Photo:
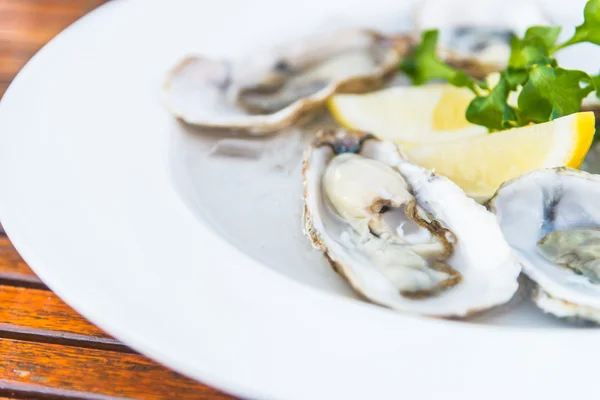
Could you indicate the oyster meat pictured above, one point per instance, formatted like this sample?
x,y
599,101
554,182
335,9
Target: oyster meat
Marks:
x,y
552,220
286,86
400,235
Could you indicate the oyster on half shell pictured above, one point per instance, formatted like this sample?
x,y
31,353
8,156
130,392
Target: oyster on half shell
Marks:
x,y
478,30
285,86
400,235
552,220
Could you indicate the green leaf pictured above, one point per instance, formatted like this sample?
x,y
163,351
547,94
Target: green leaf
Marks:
x,y
553,92
516,77
546,91
425,64
493,110
533,49
596,80
462,79
527,52
547,35
589,31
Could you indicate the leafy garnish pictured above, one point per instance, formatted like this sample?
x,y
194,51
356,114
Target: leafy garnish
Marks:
x,y
547,34
589,31
532,49
425,65
492,110
546,91
551,93
596,80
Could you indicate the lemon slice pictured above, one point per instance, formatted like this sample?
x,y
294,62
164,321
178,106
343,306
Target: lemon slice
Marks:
x,y
408,114
481,164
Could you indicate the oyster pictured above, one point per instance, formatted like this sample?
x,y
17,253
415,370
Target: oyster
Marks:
x,y
400,235
284,87
479,41
552,220
476,36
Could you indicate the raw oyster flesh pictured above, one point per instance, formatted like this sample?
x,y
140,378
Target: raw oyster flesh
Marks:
x,y
552,220
400,235
287,86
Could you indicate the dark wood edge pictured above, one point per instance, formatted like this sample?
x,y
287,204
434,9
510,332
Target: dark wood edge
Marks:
x,y
24,281
29,391
19,280
9,331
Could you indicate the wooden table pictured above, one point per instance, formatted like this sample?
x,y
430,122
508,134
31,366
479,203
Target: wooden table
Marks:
x,y
48,351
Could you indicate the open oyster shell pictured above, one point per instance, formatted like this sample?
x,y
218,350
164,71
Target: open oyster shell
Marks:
x,y
283,87
552,220
400,235
475,36
478,30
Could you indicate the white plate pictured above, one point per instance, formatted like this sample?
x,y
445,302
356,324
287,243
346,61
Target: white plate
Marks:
x,y
199,261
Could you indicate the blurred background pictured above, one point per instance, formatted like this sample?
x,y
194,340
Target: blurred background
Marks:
x,y
26,25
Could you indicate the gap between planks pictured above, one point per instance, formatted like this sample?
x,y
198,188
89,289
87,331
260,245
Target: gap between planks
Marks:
x,y
25,334
13,269
40,316
21,391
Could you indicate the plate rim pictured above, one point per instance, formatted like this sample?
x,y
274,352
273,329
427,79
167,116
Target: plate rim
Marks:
x,y
133,339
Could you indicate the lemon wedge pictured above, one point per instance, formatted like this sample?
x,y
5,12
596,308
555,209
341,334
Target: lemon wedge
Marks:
x,y
482,163
408,115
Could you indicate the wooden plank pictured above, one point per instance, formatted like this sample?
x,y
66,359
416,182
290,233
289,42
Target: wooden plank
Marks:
x,y
52,7
10,65
41,309
35,370
48,351
39,315
10,260
21,35
22,28
26,25
13,270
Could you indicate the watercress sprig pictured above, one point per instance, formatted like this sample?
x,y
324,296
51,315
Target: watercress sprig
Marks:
x,y
545,90
589,31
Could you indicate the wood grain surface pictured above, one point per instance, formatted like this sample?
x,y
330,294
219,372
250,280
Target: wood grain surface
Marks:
x,y
47,350
52,367
13,270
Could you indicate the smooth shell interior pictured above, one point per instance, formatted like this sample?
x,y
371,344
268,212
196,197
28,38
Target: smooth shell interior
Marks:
x,y
482,256
535,204
268,92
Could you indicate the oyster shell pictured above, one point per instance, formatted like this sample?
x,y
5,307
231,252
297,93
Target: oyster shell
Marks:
x,y
479,30
400,235
284,87
476,36
551,219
